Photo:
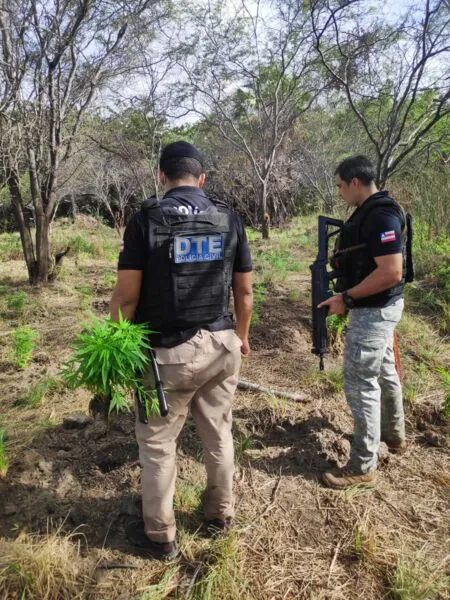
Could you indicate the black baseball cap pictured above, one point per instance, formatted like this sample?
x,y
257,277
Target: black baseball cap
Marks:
x,y
180,149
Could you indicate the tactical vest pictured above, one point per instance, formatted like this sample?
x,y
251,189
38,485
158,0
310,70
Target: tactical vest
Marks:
x,y
187,278
352,258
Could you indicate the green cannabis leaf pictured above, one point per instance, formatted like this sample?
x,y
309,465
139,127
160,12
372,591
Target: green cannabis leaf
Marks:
x,y
107,358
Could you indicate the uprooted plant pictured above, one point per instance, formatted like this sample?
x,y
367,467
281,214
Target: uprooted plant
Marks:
x,y
108,357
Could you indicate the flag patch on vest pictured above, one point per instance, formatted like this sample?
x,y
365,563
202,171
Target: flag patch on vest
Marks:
x,y
198,248
387,236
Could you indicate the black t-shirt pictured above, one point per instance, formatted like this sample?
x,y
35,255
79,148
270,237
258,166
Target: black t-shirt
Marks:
x,y
187,200
382,231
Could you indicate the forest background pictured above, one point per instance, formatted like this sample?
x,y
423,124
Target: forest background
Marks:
x,y
274,93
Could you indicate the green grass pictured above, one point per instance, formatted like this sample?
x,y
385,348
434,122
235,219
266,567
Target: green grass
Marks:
x,y
109,279
415,579
334,380
163,588
24,341
445,377
259,297
430,293
16,302
79,244
37,393
10,247
335,326
85,294
419,336
278,407
222,577
188,497
242,443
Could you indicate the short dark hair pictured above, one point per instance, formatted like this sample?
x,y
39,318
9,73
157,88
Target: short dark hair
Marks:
x,y
177,168
181,158
358,166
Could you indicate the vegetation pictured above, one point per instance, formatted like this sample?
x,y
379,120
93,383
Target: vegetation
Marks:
x,y
221,577
188,498
43,567
24,341
16,302
107,357
265,100
259,294
38,393
335,327
445,376
414,579
276,441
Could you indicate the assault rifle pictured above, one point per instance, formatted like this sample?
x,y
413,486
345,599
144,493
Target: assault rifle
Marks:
x,y
320,280
159,387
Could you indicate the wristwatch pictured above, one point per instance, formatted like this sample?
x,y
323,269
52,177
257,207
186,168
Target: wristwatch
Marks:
x,y
348,300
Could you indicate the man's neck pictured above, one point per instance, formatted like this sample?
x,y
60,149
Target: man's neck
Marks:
x,y
170,185
367,192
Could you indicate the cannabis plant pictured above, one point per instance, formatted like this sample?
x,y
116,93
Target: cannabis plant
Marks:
x,y
107,359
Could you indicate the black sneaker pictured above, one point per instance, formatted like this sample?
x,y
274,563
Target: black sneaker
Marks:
x,y
160,550
215,527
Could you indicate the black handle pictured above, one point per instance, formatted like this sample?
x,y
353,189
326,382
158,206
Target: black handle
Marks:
x,y
159,386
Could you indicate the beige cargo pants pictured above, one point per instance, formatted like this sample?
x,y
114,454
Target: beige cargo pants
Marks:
x,y
199,375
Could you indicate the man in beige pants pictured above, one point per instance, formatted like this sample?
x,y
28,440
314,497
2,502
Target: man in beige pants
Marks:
x,y
179,260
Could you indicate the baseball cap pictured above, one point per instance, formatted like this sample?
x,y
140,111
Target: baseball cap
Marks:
x,y
180,149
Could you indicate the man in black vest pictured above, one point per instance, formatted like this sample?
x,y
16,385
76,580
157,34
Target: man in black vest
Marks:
x,y
180,259
371,289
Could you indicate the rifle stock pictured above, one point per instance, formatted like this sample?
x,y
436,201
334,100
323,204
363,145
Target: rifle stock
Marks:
x,y
320,283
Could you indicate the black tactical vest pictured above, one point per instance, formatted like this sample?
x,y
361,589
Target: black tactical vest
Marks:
x,y
352,258
187,279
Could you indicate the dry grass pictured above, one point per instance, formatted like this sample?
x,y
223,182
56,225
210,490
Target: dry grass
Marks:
x,y
293,539
44,568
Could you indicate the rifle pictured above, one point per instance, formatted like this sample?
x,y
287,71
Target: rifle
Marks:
x,y
321,278
159,387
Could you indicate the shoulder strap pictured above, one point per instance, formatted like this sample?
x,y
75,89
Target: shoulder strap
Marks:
x,y
152,210
376,202
219,203
410,274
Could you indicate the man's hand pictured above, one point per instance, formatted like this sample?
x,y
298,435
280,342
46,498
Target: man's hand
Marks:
x,y
126,294
243,303
245,348
336,305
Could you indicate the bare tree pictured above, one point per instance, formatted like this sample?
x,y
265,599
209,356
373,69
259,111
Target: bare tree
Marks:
x,y
394,75
250,75
55,57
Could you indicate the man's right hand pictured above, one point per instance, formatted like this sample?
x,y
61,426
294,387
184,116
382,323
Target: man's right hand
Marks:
x,y
243,303
245,348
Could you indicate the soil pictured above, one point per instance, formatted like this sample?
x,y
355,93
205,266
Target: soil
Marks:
x,y
296,537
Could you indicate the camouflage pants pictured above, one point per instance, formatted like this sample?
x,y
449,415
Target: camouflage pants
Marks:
x,y
371,383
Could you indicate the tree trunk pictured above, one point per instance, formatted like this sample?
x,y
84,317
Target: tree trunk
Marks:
x,y
265,219
74,207
42,246
25,235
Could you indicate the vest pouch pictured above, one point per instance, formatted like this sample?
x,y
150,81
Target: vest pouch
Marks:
x,y
342,284
199,276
